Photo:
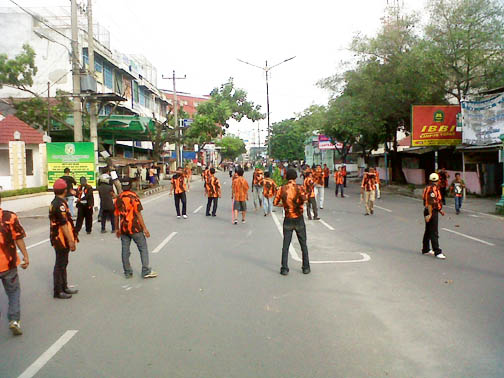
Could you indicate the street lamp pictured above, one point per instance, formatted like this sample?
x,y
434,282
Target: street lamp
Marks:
x,y
500,205
266,70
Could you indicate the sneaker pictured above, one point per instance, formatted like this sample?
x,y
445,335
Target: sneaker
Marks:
x,y
235,222
317,218
244,221
184,216
103,231
178,216
431,253
372,211
284,272
306,270
128,275
152,274
15,327
441,256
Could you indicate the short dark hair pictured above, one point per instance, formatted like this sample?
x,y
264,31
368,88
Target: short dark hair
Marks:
x,y
212,170
67,170
266,174
239,171
457,174
59,192
291,174
366,170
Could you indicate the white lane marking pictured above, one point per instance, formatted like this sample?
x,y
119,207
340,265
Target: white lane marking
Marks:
x,y
384,209
37,244
48,354
155,198
474,216
295,257
198,209
164,242
327,225
469,237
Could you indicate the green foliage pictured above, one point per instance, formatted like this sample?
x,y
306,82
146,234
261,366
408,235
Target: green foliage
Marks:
x,y
20,192
278,178
232,147
287,140
19,71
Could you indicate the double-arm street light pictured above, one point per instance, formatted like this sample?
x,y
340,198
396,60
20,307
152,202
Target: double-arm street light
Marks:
x,y
266,70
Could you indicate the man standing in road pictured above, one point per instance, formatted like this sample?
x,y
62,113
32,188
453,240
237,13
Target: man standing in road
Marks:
x,y
213,191
178,186
457,186
318,177
129,225
70,181
292,197
107,201
327,174
269,192
85,204
339,180
240,195
432,208
443,183
12,237
368,190
63,239
309,188
257,188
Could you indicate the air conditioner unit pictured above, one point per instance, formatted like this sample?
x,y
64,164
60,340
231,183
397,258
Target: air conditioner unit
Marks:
x,y
88,84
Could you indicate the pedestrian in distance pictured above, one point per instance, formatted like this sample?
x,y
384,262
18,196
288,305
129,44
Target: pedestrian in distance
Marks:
x,y
107,208
368,190
130,226
257,188
344,171
239,195
327,174
292,197
269,192
443,183
188,175
377,183
179,189
457,187
318,177
70,181
63,238
339,180
309,188
85,204
433,206
213,192
12,237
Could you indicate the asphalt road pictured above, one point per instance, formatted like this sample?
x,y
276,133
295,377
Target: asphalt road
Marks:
x,y
373,306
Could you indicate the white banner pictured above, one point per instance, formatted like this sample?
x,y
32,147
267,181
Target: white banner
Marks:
x,y
483,121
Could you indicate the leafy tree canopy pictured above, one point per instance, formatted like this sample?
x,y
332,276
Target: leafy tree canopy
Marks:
x,y
232,147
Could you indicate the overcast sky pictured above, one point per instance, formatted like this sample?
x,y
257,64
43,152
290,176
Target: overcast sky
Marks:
x,y
203,39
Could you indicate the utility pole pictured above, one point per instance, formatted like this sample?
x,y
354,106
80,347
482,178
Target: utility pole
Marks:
x,y
175,117
77,106
48,109
93,117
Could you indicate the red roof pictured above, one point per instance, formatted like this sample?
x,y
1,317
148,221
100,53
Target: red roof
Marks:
x,y
11,124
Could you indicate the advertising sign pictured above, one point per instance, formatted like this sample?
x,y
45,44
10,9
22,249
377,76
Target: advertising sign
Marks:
x,y
325,143
483,121
79,157
435,125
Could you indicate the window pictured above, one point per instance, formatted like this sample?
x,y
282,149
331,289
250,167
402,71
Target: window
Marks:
x,y
98,63
4,163
135,92
108,76
118,83
29,162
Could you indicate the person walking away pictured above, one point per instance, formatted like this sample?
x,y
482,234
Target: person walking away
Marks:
x,y
339,179
107,196
318,177
433,206
213,191
130,225
230,170
12,237
443,183
85,204
377,183
457,187
344,171
70,181
188,175
368,189
327,174
179,189
152,175
63,238
292,198
257,188
240,195
269,192
309,188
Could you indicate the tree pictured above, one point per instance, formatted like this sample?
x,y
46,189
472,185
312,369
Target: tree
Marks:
x,y
231,147
287,140
465,44
18,72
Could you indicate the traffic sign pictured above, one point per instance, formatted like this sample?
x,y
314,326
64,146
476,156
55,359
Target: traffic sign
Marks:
x,y
187,122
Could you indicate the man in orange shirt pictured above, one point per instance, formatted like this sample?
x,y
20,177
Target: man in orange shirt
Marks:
x,y
12,237
213,191
368,190
178,186
188,174
433,205
292,198
318,177
269,192
240,195
257,187
327,173
339,180
309,187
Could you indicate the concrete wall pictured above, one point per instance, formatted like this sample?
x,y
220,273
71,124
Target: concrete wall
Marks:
x,y
414,176
17,167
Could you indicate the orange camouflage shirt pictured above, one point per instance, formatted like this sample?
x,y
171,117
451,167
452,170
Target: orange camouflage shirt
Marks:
x,y
369,182
10,231
318,176
309,186
269,188
179,184
292,197
327,172
432,191
240,189
212,187
258,178
59,216
339,178
127,207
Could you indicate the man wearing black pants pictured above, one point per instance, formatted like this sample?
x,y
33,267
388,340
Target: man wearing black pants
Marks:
x,y
106,203
213,191
85,204
433,207
179,188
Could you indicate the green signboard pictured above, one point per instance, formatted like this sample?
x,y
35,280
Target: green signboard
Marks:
x,y
79,157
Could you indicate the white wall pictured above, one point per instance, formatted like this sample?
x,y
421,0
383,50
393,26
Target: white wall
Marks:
x,y
37,179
